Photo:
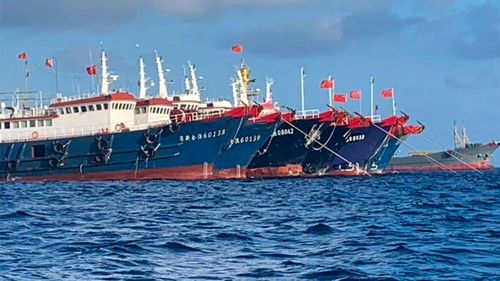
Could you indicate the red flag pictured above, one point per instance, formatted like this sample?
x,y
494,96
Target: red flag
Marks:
x,y
22,56
327,84
237,48
355,94
340,98
387,93
49,62
92,70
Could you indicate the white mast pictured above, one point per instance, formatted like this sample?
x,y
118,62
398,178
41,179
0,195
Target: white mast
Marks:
x,y
393,102
269,90
372,84
465,138
142,79
234,88
331,91
187,84
162,84
456,137
104,75
302,97
194,80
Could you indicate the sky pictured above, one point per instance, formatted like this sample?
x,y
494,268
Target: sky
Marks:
x,y
442,57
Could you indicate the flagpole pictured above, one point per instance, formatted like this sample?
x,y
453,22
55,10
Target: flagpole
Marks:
x,y
360,111
330,91
393,102
302,89
372,81
90,60
56,62
26,75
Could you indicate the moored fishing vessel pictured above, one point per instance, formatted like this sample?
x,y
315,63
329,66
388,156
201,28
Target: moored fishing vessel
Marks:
x,y
115,136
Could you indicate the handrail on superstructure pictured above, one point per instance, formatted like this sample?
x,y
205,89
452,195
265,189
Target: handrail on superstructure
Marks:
x,y
306,114
374,118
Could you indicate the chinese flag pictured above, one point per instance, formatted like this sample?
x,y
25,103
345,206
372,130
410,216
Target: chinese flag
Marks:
x,y
355,94
92,70
340,98
387,94
22,56
237,48
49,62
327,84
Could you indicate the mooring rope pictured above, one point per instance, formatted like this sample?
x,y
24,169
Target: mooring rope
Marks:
x,y
327,148
414,149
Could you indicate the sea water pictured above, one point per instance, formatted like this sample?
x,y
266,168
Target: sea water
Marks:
x,y
433,226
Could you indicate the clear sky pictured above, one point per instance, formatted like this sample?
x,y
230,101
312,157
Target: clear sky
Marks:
x,y
442,57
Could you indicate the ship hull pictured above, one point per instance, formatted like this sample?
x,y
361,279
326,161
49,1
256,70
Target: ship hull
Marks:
x,y
382,158
232,161
320,155
362,145
156,153
469,158
286,149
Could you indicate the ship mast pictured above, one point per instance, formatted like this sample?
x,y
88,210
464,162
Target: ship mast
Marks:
x,y
269,90
143,80
456,136
465,138
162,84
106,78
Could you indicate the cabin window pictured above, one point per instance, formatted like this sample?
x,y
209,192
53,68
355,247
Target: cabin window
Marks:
x,y
84,108
24,124
98,106
143,109
183,106
6,125
68,110
38,151
61,111
105,106
137,111
32,123
48,123
91,107
15,125
75,109
40,123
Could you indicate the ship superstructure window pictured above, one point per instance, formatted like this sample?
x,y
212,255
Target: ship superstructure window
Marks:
x,y
68,110
32,123
98,106
91,107
105,106
24,124
75,109
38,151
137,111
143,109
61,111
15,125
40,123
6,125
48,123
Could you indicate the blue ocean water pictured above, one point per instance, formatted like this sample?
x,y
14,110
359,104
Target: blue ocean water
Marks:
x,y
432,226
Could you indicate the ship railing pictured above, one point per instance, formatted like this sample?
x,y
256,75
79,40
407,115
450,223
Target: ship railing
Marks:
x,y
76,97
307,114
96,129
374,118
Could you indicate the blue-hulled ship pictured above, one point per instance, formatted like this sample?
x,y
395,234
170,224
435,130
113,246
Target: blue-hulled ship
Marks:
x,y
116,136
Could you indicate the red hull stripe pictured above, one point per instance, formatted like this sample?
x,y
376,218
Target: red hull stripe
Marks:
x,y
458,167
